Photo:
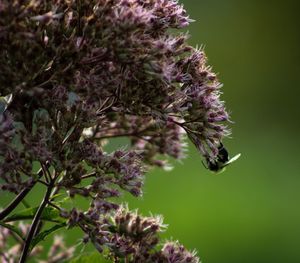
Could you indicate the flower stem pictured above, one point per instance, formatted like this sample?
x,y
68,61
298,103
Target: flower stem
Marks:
x,y
18,199
35,222
14,203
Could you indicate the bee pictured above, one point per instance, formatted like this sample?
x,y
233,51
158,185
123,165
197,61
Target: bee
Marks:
x,y
218,165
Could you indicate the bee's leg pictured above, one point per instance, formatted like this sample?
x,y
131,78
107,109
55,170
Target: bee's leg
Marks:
x,y
204,164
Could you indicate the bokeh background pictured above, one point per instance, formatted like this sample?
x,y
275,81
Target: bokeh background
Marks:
x,y
251,212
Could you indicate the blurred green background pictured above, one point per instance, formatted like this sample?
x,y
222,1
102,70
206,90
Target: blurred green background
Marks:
x,y
251,212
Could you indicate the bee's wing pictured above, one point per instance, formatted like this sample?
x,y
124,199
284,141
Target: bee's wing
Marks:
x,y
223,166
233,159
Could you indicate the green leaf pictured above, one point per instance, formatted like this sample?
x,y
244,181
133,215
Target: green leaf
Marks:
x,y
57,195
62,201
13,229
41,236
25,203
49,214
89,258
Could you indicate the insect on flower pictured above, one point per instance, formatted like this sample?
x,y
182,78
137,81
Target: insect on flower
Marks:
x,y
219,164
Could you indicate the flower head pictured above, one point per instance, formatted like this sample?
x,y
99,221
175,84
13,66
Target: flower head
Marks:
x,y
80,73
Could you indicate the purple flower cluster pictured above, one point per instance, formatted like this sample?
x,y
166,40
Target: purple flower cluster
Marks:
x,y
132,237
58,252
75,74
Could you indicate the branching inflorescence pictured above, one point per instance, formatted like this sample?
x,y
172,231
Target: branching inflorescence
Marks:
x,y
76,73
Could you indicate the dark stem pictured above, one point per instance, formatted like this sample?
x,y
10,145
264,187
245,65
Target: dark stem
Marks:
x,y
20,197
14,203
39,228
54,192
35,223
55,206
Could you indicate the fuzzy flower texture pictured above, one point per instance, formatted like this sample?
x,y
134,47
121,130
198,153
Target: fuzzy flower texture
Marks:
x,y
74,74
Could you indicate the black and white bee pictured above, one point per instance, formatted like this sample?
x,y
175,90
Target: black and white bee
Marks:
x,y
218,165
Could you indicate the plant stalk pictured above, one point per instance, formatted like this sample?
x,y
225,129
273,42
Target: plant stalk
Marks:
x,y
14,203
20,197
35,223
